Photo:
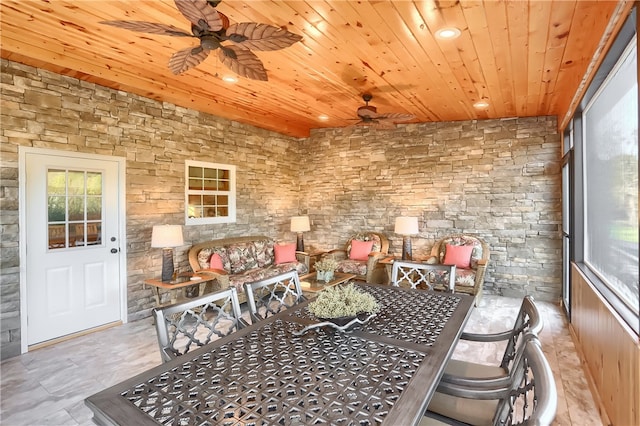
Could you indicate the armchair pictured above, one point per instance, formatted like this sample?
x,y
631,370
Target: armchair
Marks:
x,y
470,255
357,258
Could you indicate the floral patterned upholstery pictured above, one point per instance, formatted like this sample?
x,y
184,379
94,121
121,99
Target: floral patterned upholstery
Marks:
x,y
470,280
245,259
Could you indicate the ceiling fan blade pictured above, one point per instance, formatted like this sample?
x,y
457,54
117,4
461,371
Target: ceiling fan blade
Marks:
x,y
199,10
245,63
255,36
186,59
395,116
148,27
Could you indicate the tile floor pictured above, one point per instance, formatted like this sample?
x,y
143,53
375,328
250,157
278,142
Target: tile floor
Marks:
x,y
48,386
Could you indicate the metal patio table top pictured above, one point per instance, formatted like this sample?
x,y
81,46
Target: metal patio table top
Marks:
x,y
382,372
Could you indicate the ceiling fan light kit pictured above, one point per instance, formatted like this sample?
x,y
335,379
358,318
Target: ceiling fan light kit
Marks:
x,y
234,42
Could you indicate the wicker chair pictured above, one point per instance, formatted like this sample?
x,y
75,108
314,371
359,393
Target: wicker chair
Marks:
x,y
469,276
369,270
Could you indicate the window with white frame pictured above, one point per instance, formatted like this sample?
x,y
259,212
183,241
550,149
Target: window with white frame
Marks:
x,y
210,193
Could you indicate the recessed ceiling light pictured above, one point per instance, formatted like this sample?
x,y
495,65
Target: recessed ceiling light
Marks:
x,y
229,79
323,117
448,33
481,104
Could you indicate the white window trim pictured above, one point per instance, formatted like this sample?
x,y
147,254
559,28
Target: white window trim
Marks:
x,y
231,194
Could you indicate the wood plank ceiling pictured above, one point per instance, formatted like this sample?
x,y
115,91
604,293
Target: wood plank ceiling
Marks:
x,y
525,58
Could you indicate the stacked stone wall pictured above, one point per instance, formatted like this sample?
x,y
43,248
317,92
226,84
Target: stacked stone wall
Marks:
x,y
47,110
499,179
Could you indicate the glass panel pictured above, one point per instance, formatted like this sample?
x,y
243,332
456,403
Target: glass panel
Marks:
x,y
56,209
57,236
94,233
224,185
76,208
223,200
94,183
76,234
209,200
195,184
210,173
94,208
210,185
195,172
223,211
611,181
76,183
56,182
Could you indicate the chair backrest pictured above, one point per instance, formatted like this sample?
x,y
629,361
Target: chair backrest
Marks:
x,y
528,320
480,248
380,242
422,275
196,322
271,295
532,398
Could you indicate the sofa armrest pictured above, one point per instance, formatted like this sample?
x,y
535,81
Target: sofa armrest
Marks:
x,y
220,275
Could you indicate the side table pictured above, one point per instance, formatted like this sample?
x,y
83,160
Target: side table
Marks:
x,y
181,282
311,286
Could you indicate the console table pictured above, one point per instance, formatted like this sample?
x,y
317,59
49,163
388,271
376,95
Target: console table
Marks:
x,y
382,372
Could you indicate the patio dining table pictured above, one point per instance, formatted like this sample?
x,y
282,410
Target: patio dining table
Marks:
x,y
278,371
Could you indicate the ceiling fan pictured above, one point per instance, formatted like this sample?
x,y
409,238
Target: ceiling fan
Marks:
x,y
214,31
369,116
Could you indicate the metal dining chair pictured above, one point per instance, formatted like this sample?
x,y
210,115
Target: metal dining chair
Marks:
x,y
529,397
271,295
467,373
423,275
197,322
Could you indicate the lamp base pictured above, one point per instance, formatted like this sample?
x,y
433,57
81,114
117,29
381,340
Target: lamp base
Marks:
x,y
406,247
299,242
167,264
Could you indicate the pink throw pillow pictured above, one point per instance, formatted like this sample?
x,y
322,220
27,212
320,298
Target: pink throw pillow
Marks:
x,y
360,249
215,262
458,255
285,253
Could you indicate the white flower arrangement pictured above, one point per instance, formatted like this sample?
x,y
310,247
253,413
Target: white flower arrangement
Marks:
x,y
343,301
326,264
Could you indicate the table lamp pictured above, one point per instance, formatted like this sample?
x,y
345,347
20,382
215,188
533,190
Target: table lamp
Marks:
x,y
167,237
300,224
406,226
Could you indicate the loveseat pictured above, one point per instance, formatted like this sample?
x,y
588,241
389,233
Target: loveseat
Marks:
x,y
235,261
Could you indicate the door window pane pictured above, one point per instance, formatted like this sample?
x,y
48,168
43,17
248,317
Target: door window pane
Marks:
x,y
74,208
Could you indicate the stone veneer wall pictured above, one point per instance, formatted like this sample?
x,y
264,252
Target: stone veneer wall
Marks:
x,y
499,179
47,110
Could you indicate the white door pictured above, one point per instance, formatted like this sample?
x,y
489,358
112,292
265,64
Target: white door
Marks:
x,y
72,247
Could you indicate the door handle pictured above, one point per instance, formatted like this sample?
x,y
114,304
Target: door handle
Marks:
x,y
114,250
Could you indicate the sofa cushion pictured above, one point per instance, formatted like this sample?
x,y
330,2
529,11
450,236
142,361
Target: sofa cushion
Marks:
x,y
377,244
204,257
215,262
360,249
458,255
463,240
285,253
255,274
349,266
264,252
242,257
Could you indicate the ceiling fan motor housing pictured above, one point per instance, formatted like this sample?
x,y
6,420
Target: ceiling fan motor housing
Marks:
x,y
367,111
